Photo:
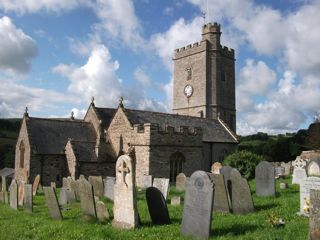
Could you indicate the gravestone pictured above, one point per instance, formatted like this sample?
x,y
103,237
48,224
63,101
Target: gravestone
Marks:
x,y
299,171
241,198
87,201
109,187
74,186
314,220
125,201
4,184
287,168
52,203
14,194
35,185
220,203
21,193
175,200
146,181
66,182
66,196
97,184
279,171
54,185
102,211
216,167
28,198
313,168
163,185
181,180
197,210
265,179
305,186
226,172
157,206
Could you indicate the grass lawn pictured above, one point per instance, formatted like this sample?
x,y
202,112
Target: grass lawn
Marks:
x,y
38,225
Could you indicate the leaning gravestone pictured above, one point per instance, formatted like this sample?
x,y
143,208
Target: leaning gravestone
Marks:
x,y
265,179
313,167
226,172
163,185
241,198
109,187
52,203
35,185
102,211
125,201
197,210
157,206
97,184
28,197
216,167
305,186
181,180
299,171
314,221
87,201
220,199
14,194
21,193
146,181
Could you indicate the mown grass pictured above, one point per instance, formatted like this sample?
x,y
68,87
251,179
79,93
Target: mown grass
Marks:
x,y
38,225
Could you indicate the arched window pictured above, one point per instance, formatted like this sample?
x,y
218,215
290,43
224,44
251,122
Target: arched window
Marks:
x,y
176,161
22,151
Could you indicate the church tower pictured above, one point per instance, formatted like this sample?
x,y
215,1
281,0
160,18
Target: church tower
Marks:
x,y
204,78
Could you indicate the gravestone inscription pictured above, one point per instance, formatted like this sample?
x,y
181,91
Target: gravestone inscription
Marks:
x,y
305,186
314,220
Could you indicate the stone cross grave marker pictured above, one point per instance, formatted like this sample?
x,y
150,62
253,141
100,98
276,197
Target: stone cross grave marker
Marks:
x,y
314,220
241,198
216,167
220,199
87,201
299,171
102,211
265,179
35,185
197,210
157,206
305,186
175,200
109,187
313,168
28,198
97,184
146,181
125,201
181,180
52,203
163,185
14,194
21,193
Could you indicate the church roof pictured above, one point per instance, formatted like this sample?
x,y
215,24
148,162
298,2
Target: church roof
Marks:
x,y
49,136
84,151
7,172
105,115
213,130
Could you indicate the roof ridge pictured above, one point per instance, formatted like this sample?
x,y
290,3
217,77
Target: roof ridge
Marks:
x,y
59,120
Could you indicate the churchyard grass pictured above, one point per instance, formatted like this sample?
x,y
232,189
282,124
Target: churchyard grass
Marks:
x,y
38,225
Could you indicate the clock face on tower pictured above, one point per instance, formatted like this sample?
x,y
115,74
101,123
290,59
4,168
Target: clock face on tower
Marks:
x,y
188,90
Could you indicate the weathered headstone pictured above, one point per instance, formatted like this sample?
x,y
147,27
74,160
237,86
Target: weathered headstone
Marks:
x,y
21,193
35,185
82,177
197,210
125,202
313,168
87,201
314,221
279,171
66,196
97,184
287,168
52,203
299,171
265,179
74,186
109,187
221,202
163,185
241,198
102,211
28,198
4,184
181,181
226,172
157,206
66,182
146,181
54,185
175,200
216,167
14,194
305,186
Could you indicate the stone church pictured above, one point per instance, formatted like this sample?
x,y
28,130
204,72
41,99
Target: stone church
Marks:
x,y
200,131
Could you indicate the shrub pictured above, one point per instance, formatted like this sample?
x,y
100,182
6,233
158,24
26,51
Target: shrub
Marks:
x,y
244,161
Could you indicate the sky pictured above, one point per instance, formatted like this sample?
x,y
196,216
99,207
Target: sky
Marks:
x,y
55,55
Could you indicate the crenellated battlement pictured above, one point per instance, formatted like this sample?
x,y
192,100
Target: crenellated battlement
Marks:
x,y
228,52
170,130
211,27
190,48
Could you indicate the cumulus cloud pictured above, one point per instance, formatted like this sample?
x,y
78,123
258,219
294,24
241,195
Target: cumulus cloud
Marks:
x,y
17,48
140,75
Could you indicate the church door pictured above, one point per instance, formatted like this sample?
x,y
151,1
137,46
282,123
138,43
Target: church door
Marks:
x,y
176,161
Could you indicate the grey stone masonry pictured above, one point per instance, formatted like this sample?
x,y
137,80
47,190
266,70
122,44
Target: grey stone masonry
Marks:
x,y
265,179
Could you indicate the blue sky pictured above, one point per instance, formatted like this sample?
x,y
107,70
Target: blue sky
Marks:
x,y
56,54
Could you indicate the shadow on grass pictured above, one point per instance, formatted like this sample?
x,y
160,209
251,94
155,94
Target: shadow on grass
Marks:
x,y
264,206
235,229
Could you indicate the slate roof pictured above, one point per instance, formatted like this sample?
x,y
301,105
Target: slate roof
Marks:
x,y
84,151
105,115
213,130
49,136
7,172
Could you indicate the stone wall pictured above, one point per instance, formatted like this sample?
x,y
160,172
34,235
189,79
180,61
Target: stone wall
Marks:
x,y
96,169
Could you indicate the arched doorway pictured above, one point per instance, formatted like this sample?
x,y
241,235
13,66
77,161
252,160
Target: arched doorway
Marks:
x,y
176,161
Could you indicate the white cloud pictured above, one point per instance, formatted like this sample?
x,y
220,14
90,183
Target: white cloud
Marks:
x,y
140,75
17,48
